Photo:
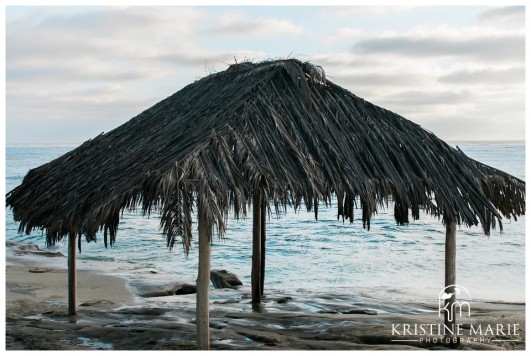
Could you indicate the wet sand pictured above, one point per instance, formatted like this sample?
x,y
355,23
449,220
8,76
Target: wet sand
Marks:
x,y
112,317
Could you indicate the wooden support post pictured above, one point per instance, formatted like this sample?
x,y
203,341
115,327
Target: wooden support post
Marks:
x,y
257,247
72,307
262,244
450,279
203,283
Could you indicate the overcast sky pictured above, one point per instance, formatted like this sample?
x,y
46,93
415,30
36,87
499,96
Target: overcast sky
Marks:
x,y
74,72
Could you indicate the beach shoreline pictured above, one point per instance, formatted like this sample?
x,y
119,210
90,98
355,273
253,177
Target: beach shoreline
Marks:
x,y
112,317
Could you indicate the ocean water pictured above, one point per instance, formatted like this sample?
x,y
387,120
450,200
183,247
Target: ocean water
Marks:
x,y
308,257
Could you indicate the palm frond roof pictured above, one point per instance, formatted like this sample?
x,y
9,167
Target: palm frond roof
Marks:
x,y
279,127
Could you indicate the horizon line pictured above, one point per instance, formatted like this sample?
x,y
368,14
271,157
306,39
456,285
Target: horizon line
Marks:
x,y
73,144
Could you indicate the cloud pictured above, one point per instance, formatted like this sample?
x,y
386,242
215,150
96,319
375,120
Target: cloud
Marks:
x,y
71,112
361,10
345,33
113,44
103,61
462,126
513,15
491,76
379,79
98,65
441,77
459,112
477,43
73,68
144,22
237,23
103,44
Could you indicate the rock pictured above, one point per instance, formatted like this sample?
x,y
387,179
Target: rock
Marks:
x,y
92,302
267,337
154,288
283,300
29,247
228,301
150,289
328,311
224,279
186,289
217,325
40,270
28,290
23,249
48,253
155,293
143,311
360,311
349,311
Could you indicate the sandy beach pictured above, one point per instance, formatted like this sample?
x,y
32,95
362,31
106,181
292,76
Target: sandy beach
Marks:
x,y
112,316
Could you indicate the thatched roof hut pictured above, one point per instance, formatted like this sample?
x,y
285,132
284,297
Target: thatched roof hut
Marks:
x,y
278,130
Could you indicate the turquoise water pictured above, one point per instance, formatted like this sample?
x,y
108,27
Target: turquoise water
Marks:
x,y
327,255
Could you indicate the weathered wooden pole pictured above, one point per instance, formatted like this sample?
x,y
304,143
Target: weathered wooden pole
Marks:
x,y
449,280
257,248
72,308
203,283
263,244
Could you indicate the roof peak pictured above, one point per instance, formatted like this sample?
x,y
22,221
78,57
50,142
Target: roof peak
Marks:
x,y
292,65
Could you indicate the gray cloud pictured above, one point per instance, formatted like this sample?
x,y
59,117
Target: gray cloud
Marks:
x,y
464,126
513,15
136,22
492,76
236,23
426,97
69,116
111,44
501,47
261,27
352,11
105,65
461,115
368,79
102,65
107,43
346,60
448,97
195,59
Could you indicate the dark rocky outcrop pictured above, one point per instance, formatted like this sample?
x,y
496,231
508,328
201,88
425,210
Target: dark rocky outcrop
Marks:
x,y
283,300
224,279
40,270
149,288
186,289
24,249
98,302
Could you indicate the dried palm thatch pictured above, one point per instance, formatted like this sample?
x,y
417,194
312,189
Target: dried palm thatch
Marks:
x,y
277,127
